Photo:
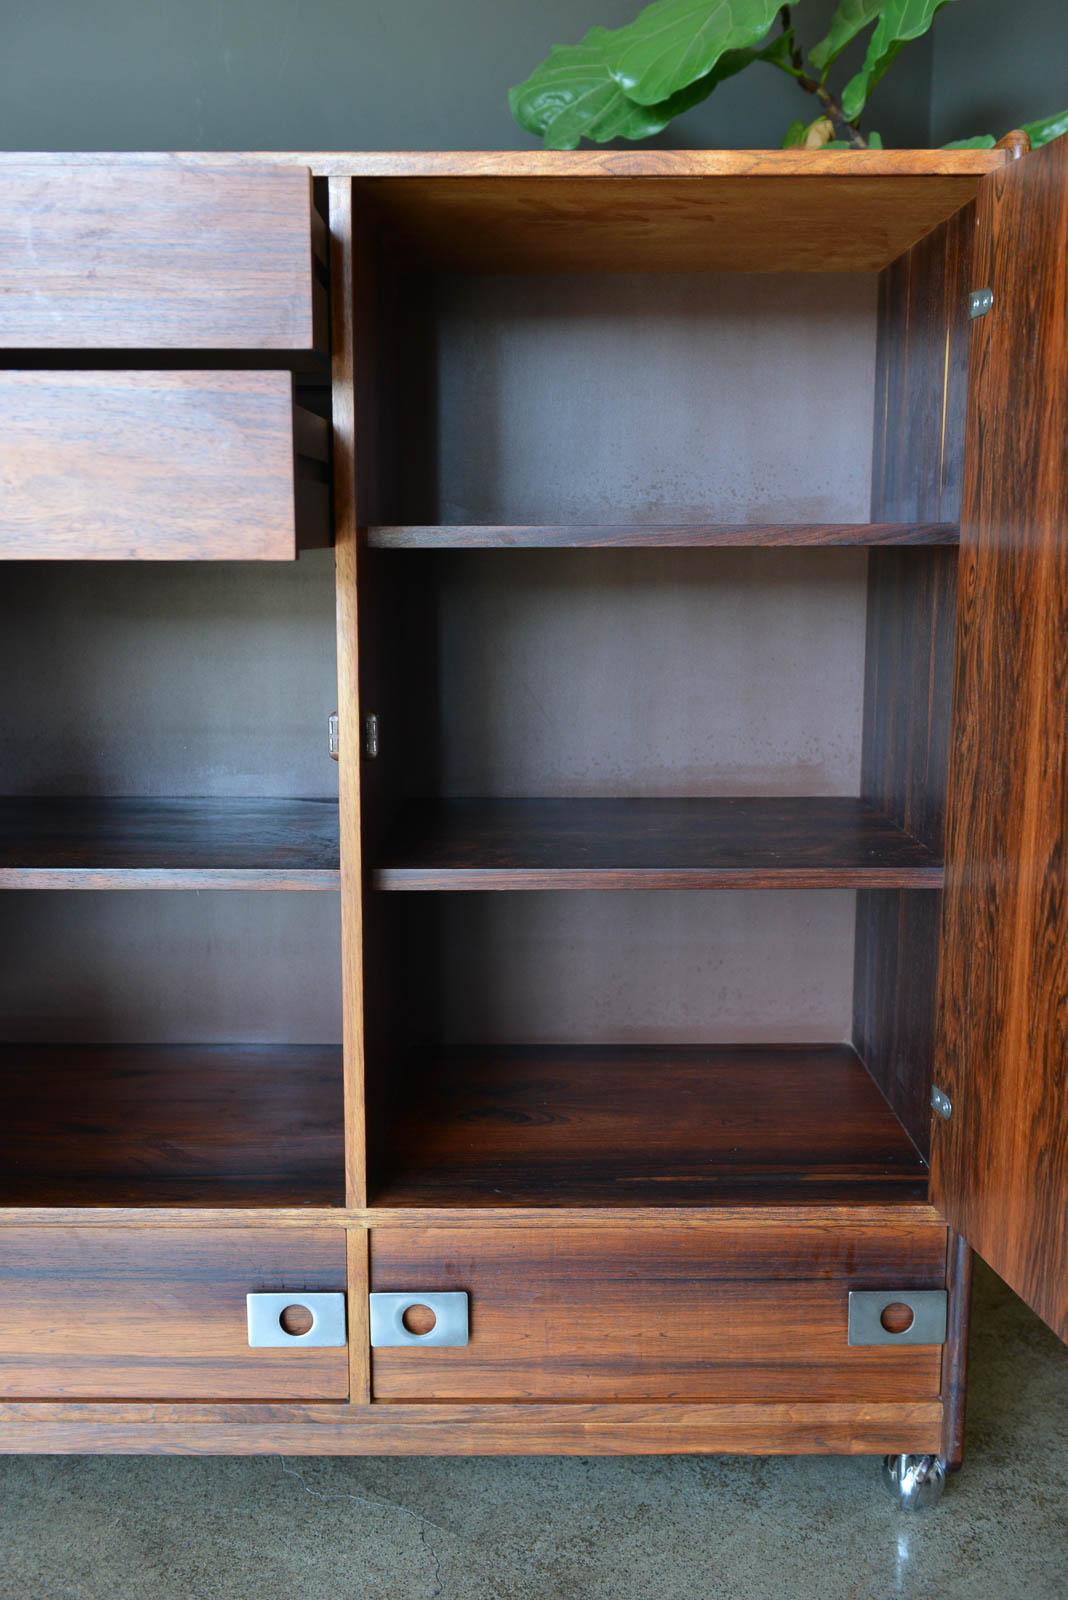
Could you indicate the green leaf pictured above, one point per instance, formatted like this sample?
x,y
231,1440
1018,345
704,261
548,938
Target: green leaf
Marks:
x,y
1046,128
875,141
851,18
571,96
981,141
900,21
673,43
794,135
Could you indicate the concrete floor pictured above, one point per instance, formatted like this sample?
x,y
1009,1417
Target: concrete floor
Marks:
x,y
650,1528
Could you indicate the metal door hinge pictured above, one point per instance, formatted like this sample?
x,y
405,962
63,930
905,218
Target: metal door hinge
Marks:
x,y
333,735
370,735
281,1321
979,302
897,1316
941,1102
438,1319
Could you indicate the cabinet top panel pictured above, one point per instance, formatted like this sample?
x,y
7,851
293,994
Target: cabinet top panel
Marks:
x,y
622,210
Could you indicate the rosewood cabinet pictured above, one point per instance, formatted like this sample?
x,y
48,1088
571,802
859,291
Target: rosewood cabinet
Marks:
x,y
623,1044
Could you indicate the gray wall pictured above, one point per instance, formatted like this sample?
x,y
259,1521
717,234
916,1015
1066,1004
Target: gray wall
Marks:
x,y
997,65
344,75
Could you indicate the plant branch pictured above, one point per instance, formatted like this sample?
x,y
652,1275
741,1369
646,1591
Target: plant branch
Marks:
x,y
844,129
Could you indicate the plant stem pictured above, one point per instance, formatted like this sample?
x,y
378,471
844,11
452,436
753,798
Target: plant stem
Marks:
x,y
845,130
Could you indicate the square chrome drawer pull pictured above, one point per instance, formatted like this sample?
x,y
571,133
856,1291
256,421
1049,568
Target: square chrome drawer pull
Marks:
x,y
897,1316
418,1318
279,1321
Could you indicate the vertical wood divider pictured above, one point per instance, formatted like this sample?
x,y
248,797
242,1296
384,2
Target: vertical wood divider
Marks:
x,y
358,1241
348,683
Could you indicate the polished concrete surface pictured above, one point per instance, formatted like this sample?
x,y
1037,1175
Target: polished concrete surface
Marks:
x,y
650,1528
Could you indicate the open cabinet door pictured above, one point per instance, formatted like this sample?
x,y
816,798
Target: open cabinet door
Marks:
x,y
1000,1159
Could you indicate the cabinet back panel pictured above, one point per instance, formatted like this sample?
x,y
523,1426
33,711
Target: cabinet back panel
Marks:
x,y
174,679
170,968
631,672
690,397
631,968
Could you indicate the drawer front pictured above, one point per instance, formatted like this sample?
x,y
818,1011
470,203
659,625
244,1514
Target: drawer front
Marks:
x,y
157,256
160,1314
658,1314
169,466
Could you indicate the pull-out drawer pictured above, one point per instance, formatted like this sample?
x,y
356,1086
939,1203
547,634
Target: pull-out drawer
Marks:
x,y
161,1314
673,1313
168,466
158,255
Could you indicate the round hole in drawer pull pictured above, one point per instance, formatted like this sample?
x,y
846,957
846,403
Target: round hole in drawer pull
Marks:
x,y
419,1319
897,1317
295,1319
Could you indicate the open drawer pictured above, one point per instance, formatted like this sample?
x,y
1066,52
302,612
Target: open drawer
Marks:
x,y
673,1313
162,1314
167,466
157,253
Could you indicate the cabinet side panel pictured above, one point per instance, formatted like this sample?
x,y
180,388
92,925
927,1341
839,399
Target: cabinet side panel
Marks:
x,y
921,378
1000,1162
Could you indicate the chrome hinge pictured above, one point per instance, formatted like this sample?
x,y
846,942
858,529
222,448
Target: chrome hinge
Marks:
x,y
979,302
370,735
941,1102
333,735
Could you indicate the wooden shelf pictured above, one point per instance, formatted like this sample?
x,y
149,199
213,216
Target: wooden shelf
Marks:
x,y
171,1125
563,1125
168,844
706,536
652,844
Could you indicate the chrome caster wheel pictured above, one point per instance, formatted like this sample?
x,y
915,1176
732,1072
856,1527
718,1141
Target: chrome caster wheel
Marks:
x,y
916,1482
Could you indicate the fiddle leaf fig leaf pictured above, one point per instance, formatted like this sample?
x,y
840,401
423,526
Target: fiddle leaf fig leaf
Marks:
x,y
1046,128
900,21
851,18
981,141
794,136
572,96
673,43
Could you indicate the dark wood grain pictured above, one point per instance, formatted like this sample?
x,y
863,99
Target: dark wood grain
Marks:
x,y
170,1125
485,536
561,1125
794,1427
1000,1163
157,256
921,377
121,1313
158,466
106,843
955,1351
645,843
587,1315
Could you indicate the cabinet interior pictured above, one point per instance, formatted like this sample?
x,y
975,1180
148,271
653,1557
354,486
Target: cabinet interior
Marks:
x,y
653,831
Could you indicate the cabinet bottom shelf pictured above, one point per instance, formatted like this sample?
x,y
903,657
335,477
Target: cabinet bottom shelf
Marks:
x,y
171,1125
644,1125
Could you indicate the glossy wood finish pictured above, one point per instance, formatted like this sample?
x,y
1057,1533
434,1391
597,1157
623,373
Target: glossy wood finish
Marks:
x,y
485,536
158,466
1000,1164
754,211
746,1428
155,255
170,1125
588,1316
644,1125
128,1314
921,376
111,843
955,1351
651,844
